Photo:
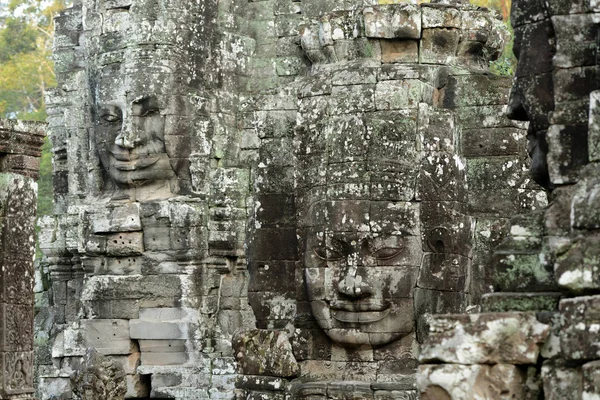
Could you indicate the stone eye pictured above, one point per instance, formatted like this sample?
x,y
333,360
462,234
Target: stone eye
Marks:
x,y
386,253
327,254
149,112
110,114
111,117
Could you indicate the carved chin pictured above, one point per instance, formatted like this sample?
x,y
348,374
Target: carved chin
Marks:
x,y
364,328
142,171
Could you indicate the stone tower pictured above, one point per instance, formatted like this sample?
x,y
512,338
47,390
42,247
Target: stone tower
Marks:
x,y
270,198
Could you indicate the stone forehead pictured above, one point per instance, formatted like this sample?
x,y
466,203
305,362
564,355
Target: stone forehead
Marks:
x,y
457,33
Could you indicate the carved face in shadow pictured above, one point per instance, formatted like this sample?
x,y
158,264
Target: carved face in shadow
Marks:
x,y
532,95
360,278
130,138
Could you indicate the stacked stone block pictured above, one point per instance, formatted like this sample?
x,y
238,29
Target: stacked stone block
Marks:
x,y
546,266
20,150
156,285
193,286
443,117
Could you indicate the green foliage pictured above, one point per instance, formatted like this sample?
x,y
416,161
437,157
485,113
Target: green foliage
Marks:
x,y
26,72
44,205
506,64
16,37
26,69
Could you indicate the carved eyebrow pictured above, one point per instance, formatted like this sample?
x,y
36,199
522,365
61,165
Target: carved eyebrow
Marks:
x,y
144,105
109,110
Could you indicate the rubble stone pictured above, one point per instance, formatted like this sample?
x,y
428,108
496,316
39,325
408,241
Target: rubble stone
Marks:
x,y
507,338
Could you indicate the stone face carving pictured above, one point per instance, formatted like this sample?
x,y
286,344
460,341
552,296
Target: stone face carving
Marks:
x,y
532,96
130,136
547,264
284,192
358,284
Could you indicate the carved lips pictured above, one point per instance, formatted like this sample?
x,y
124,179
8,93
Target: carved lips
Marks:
x,y
361,312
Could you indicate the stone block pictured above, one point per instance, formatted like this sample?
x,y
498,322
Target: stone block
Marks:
x,y
445,228
594,126
395,95
113,309
166,379
591,380
354,75
459,382
107,336
128,363
138,386
123,218
439,46
141,329
436,128
561,382
568,152
522,271
399,51
396,395
492,142
443,271
164,358
475,90
150,290
162,346
488,116
163,314
400,21
352,99
445,17
579,339
125,244
260,382
430,302
272,355
578,268
521,302
442,177
120,266
585,206
513,338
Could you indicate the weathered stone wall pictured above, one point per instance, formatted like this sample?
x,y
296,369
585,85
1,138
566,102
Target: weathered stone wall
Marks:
x,y
206,153
20,150
545,272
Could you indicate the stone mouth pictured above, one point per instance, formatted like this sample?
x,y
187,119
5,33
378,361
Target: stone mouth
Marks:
x,y
361,317
127,165
364,311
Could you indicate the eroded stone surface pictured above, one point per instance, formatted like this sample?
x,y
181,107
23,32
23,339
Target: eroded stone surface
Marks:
x,y
98,377
20,149
454,382
265,353
282,169
507,338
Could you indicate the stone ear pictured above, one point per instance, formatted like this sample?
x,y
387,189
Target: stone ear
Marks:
x,y
439,239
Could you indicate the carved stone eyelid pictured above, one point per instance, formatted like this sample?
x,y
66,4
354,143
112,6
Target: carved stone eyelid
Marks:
x,y
315,250
396,251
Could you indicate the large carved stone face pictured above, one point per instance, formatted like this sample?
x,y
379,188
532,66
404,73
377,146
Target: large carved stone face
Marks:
x,y
130,136
360,279
363,246
532,95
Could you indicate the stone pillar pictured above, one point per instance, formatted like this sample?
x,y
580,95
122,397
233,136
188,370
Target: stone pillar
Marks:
x,y
20,150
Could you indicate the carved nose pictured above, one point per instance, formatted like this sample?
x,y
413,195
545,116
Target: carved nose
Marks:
x,y
353,284
129,137
516,109
123,140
